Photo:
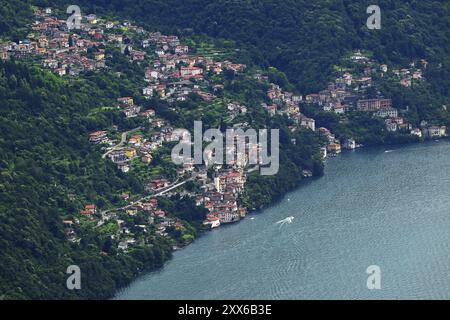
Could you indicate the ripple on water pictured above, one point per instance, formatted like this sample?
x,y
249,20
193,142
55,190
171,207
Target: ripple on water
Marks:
x,y
371,207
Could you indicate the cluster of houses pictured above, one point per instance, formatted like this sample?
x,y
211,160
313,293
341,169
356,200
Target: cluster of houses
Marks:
x,y
284,102
338,99
405,76
235,109
288,103
76,50
128,108
155,220
335,98
333,146
431,131
130,233
89,209
411,74
150,220
58,48
382,108
99,137
175,74
138,145
342,96
221,197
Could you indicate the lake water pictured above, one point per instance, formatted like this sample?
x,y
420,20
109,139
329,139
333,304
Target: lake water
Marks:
x,y
389,208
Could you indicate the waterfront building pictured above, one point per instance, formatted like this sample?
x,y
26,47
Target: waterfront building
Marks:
x,y
372,105
334,148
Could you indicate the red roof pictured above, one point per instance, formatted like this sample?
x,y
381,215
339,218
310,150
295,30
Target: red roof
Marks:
x,y
98,133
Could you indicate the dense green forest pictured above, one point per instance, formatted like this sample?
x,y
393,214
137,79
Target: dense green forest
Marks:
x,y
45,155
44,120
14,17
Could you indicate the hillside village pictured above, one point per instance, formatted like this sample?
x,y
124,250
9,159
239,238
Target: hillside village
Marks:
x,y
173,75
343,96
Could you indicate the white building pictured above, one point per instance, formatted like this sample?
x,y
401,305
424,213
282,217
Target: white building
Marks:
x,y
416,132
308,123
387,113
147,91
350,144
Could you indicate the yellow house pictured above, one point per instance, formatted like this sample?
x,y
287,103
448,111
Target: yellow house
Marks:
x,y
92,18
292,109
334,148
130,153
162,92
99,56
132,211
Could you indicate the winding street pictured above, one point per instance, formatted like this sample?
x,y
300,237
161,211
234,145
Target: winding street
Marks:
x,y
106,217
122,141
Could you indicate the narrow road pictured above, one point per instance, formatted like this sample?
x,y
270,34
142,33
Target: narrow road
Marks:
x,y
172,187
121,143
160,193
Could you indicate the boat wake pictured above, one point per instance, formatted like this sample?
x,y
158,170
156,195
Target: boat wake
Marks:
x,y
284,221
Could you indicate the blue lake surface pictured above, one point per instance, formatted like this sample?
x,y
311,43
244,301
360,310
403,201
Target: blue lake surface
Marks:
x,y
382,207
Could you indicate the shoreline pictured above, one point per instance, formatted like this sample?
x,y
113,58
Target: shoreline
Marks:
x,y
302,183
